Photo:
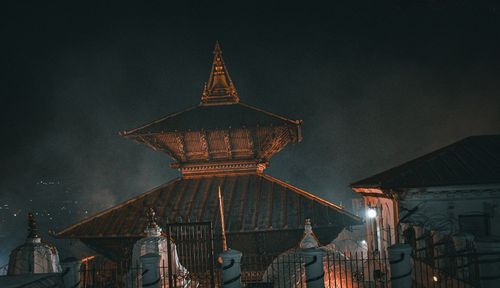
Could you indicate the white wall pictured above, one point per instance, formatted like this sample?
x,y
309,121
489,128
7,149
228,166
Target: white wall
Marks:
x,y
439,208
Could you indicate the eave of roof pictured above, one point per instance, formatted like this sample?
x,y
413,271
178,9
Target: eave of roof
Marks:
x,y
240,225
469,161
144,129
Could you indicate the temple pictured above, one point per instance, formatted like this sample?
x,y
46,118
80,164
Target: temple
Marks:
x,y
221,142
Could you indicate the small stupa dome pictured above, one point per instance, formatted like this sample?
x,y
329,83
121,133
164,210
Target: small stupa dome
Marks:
x,y
35,255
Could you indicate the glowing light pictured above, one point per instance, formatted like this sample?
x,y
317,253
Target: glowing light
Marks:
x,y
86,259
363,242
435,278
371,213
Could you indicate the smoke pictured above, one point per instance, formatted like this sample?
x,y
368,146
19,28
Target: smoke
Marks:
x,y
376,86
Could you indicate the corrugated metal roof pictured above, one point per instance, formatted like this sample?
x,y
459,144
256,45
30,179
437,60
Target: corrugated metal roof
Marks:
x,y
253,202
473,160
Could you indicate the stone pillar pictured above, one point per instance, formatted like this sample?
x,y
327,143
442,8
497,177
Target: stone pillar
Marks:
x,y
150,270
231,268
313,262
489,267
71,272
401,267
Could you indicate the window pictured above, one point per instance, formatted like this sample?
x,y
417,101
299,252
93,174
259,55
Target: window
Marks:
x,y
475,224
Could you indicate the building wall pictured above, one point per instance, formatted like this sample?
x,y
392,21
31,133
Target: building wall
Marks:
x,y
439,209
380,230
437,214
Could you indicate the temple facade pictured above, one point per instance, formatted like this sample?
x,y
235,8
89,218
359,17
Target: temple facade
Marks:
x,y
221,142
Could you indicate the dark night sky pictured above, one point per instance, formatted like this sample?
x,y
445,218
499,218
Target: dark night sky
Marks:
x,y
376,82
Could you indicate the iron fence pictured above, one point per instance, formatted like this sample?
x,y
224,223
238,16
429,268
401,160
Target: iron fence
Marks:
x,y
195,246
341,270
464,269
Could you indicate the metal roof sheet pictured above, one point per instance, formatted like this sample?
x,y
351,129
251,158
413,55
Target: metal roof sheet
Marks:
x,y
473,160
213,117
252,202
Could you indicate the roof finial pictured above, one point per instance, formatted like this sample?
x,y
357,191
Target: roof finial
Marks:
x,y
309,240
32,230
219,88
152,229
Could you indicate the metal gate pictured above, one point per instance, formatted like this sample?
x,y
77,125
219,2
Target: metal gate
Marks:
x,y
195,247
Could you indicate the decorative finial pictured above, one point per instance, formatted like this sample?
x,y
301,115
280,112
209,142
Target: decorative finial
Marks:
x,y
32,230
152,229
151,218
309,240
220,88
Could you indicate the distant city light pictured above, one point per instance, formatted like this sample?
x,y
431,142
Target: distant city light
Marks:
x,y
371,213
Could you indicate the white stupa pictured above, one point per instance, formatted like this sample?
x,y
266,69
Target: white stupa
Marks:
x,y
35,255
156,243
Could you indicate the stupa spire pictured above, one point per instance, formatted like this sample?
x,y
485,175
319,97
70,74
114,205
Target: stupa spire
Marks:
x,y
152,229
220,88
32,229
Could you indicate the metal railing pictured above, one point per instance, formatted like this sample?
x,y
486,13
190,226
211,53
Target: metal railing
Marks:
x,y
341,270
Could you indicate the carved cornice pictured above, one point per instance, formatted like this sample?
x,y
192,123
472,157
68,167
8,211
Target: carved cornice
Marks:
x,y
223,167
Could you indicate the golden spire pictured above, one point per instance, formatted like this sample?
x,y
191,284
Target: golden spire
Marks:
x,y
220,88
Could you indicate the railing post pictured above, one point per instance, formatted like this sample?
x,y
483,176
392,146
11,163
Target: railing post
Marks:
x,y
401,267
150,270
231,268
71,272
313,257
313,262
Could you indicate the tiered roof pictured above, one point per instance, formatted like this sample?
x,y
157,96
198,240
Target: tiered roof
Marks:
x,y
221,134
220,143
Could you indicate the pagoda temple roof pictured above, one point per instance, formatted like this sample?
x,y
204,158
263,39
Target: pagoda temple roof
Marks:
x,y
213,117
252,203
220,130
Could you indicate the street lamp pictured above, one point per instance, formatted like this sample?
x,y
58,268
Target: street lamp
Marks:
x,y
371,213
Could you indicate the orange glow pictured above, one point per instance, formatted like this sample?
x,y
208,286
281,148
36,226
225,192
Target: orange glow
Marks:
x,y
368,190
86,259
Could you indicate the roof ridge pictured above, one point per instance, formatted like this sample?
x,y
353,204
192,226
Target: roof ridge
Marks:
x,y
308,195
295,122
127,133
